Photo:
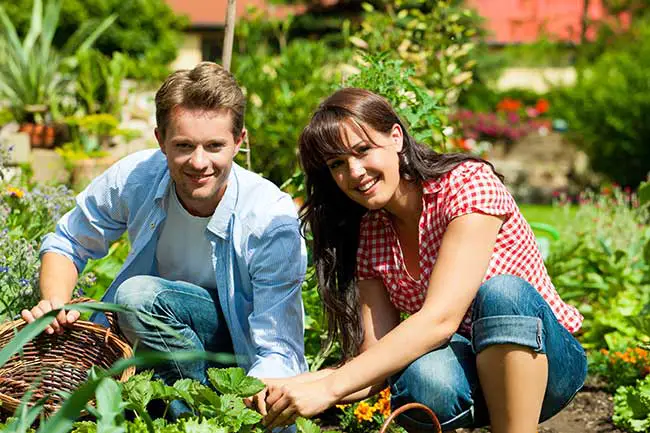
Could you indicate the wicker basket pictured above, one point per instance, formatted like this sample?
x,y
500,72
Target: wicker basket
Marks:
x,y
58,362
409,406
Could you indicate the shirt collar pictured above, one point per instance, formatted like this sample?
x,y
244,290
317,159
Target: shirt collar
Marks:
x,y
221,218
431,186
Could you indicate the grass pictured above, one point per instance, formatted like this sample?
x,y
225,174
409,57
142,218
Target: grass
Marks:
x,y
547,214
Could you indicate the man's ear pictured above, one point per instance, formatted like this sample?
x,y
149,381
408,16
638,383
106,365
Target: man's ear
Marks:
x,y
242,138
397,135
159,139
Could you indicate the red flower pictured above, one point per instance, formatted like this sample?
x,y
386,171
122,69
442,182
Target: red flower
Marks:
x,y
542,106
509,105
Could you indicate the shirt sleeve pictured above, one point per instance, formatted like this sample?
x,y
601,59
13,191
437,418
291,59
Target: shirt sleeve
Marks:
x,y
277,268
98,219
475,188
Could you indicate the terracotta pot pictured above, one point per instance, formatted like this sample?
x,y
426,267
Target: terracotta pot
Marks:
x,y
85,170
39,135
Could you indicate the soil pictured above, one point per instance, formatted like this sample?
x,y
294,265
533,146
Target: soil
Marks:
x,y
589,412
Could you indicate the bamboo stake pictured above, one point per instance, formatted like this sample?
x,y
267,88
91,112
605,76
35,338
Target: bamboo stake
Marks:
x,y
226,59
229,34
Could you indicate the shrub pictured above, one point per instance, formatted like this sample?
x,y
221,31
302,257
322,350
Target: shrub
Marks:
x,y
283,91
602,264
608,110
145,30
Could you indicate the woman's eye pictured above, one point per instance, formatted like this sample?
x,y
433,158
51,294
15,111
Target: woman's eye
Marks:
x,y
363,149
334,164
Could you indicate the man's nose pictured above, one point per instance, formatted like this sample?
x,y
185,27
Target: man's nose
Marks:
x,y
199,159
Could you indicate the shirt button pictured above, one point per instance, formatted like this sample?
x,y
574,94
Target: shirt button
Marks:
x,y
152,225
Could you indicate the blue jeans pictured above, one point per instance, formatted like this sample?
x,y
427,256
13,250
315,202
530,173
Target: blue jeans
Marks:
x,y
506,310
190,310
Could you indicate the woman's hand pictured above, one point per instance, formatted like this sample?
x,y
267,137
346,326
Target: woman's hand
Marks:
x,y
289,400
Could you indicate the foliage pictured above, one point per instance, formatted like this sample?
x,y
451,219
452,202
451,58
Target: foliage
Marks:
x,y
218,407
393,80
621,367
29,213
99,80
436,38
282,92
31,70
147,31
91,135
602,265
367,415
632,407
614,130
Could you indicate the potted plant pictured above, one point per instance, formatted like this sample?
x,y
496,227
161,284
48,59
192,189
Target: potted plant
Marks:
x,y
32,76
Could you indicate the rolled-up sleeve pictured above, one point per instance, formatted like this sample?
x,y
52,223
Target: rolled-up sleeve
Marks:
x,y
98,219
277,266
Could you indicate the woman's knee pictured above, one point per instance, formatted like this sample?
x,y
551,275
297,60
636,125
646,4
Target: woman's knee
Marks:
x,y
504,295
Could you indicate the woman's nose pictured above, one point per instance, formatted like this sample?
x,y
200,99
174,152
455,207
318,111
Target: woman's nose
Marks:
x,y
356,168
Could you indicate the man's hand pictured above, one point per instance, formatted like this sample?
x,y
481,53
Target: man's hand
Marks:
x,y
62,319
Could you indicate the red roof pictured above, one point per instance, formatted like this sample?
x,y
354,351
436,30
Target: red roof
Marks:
x,y
212,13
523,21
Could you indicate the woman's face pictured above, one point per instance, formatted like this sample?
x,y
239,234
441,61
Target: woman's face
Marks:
x,y
369,172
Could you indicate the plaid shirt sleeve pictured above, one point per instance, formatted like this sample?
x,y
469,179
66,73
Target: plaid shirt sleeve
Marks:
x,y
474,188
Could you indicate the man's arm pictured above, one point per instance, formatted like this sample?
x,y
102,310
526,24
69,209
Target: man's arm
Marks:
x,y
58,277
277,269
85,232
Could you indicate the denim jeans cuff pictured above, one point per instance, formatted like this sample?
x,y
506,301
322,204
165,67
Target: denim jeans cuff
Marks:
x,y
521,330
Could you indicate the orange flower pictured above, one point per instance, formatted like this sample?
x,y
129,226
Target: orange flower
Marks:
x,y
364,411
384,394
508,105
15,192
383,407
542,106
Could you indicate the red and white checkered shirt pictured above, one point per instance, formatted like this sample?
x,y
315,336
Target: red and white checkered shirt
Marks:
x,y
468,188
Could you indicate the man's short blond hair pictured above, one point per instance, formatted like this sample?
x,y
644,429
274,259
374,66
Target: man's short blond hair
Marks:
x,y
206,87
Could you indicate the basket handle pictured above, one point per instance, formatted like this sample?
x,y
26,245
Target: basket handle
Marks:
x,y
110,316
409,406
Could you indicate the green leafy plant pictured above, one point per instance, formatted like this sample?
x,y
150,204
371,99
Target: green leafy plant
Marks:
x,y
31,72
436,38
282,91
612,130
393,80
148,32
99,80
632,407
601,266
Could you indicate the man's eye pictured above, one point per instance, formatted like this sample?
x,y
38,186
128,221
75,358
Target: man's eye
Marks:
x,y
183,145
215,146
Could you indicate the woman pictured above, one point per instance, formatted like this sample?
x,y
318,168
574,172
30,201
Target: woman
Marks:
x,y
399,228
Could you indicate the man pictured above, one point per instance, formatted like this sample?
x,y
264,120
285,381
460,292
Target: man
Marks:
x,y
216,251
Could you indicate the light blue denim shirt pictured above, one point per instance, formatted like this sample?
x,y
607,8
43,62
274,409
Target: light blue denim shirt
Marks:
x,y
259,256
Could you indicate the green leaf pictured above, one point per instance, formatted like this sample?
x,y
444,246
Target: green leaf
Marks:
x,y
110,407
234,381
138,390
644,193
305,425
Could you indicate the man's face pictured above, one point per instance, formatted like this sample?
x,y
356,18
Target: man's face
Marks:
x,y
200,148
